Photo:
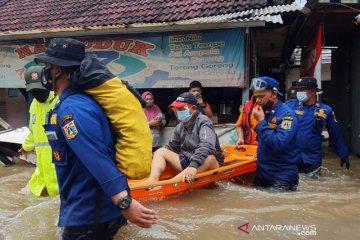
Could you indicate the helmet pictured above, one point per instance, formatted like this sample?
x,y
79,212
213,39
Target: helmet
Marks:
x,y
33,77
307,82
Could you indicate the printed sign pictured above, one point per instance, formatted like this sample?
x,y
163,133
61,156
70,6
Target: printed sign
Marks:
x,y
166,60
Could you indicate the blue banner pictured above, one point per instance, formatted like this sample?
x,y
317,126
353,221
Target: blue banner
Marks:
x,y
167,60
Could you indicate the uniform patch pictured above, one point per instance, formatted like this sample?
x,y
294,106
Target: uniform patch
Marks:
x,y
66,117
51,135
286,124
70,130
320,113
53,118
287,118
56,155
298,112
272,125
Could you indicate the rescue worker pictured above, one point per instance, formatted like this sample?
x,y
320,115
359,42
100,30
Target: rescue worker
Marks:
x,y
43,181
245,124
94,194
313,116
192,148
276,134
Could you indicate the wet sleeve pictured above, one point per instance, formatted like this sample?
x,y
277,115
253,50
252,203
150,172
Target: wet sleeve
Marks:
x,y
29,142
83,129
174,142
278,139
205,147
335,134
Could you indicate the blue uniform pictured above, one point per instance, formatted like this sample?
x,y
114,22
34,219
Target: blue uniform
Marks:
x,y
276,154
83,152
309,138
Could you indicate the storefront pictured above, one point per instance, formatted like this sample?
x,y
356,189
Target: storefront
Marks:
x,y
163,63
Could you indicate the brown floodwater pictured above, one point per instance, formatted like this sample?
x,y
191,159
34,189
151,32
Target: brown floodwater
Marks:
x,y
326,208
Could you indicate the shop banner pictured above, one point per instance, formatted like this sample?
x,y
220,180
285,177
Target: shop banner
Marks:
x,y
167,60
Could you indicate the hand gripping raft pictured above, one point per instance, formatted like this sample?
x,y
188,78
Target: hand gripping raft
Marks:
x,y
123,109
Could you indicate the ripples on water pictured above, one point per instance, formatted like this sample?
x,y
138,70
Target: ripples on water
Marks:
x,y
331,204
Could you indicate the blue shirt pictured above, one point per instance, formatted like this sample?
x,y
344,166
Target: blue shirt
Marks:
x,y
309,138
83,152
276,153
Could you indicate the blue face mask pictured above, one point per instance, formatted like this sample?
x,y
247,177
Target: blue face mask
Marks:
x,y
302,96
183,115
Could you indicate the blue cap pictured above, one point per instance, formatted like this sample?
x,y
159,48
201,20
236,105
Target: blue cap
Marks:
x,y
266,82
270,81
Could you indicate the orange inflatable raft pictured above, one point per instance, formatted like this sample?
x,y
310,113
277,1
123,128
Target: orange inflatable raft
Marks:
x,y
237,162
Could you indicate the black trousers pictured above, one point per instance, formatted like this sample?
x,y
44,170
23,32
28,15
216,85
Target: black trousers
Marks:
x,y
308,168
104,231
277,185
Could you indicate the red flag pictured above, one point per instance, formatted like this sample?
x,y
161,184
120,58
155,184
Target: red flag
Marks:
x,y
310,55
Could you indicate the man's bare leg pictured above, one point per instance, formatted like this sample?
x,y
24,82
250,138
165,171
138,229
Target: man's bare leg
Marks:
x,y
209,163
163,156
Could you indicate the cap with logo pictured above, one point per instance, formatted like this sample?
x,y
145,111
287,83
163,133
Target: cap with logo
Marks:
x,y
33,78
184,99
264,82
63,52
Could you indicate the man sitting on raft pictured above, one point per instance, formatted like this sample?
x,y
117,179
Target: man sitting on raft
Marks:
x,y
194,146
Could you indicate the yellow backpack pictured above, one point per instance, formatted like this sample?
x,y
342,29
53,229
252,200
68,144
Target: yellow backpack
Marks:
x,y
127,118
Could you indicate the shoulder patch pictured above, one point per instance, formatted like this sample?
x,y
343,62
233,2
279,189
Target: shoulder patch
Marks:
x,y
286,123
70,130
65,117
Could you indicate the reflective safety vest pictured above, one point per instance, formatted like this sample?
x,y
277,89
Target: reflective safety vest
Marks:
x,y
44,175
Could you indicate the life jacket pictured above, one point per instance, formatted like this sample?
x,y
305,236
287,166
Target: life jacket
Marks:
x,y
246,120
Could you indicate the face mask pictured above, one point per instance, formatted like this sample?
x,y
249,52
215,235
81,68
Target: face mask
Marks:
x,y
40,94
183,115
46,78
149,103
267,106
302,96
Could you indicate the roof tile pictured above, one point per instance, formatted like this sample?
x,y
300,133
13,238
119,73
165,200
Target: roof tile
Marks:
x,y
29,15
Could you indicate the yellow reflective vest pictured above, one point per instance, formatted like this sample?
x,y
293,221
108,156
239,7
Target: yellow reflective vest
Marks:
x,y
44,175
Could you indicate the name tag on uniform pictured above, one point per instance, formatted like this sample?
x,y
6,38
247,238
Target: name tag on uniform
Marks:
x,y
298,112
51,135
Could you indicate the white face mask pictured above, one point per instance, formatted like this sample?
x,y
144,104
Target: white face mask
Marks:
x,y
302,96
149,103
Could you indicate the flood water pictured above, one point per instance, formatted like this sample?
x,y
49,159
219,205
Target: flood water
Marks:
x,y
327,208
